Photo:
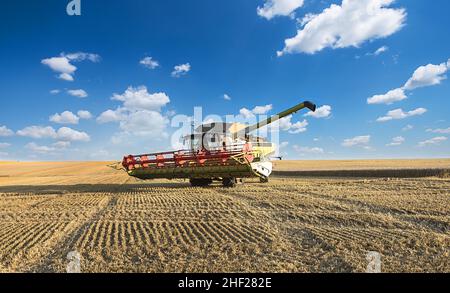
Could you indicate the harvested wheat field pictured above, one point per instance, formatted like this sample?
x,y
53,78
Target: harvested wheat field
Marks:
x,y
118,224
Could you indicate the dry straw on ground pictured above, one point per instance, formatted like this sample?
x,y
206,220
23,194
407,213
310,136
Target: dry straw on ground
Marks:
x,y
289,225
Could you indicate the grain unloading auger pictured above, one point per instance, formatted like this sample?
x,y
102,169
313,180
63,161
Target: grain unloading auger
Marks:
x,y
217,152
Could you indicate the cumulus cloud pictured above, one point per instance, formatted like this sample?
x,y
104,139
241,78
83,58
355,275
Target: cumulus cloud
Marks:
x,y
388,98
427,75
140,99
149,63
357,141
145,123
63,134
68,134
441,131
37,132
308,150
62,64
258,110
83,114
78,93
321,112
293,128
262,110
65,117
399,114
226,97
112,116
181,70
347,25
55,92
423,76
5,131
397,141
139,114
434,141
273,8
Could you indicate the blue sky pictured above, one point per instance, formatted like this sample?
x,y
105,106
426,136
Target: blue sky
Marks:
x,y
378,66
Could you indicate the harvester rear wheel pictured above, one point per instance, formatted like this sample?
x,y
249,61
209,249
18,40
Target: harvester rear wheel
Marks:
x,y
264,180
200,182
229,182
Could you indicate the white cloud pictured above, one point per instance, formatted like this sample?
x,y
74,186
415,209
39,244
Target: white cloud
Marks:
x,y
283,144
262,110
81,56
274,8
226,97
381,50
149,63
427,76
388,98
321,112
423,76
66,77
140,99
258,110
408,127
5,131
63,134
145,123
83,114
61,144
400,114
4,145
246,113
65,117
441,131
40,149
433,141
348,25
55,92
140,114
78,93
357,141
397,141
69,134
309,150
181,69
112,116
293,128
37,132
62,64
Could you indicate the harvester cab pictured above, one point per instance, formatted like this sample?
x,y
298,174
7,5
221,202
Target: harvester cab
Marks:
x,y
216,151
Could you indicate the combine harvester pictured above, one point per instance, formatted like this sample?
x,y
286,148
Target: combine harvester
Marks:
x,y
225,152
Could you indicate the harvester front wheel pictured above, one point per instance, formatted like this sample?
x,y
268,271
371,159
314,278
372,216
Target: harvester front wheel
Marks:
x,y
264,180
200,182
229,182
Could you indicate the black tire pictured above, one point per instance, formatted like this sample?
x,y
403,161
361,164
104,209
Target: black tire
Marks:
x,y
200,182
264,180
229,182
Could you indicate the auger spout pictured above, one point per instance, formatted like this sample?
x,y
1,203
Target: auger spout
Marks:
x,y
311,106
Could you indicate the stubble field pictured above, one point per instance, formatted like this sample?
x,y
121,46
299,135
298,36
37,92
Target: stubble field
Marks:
x,y
119,224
